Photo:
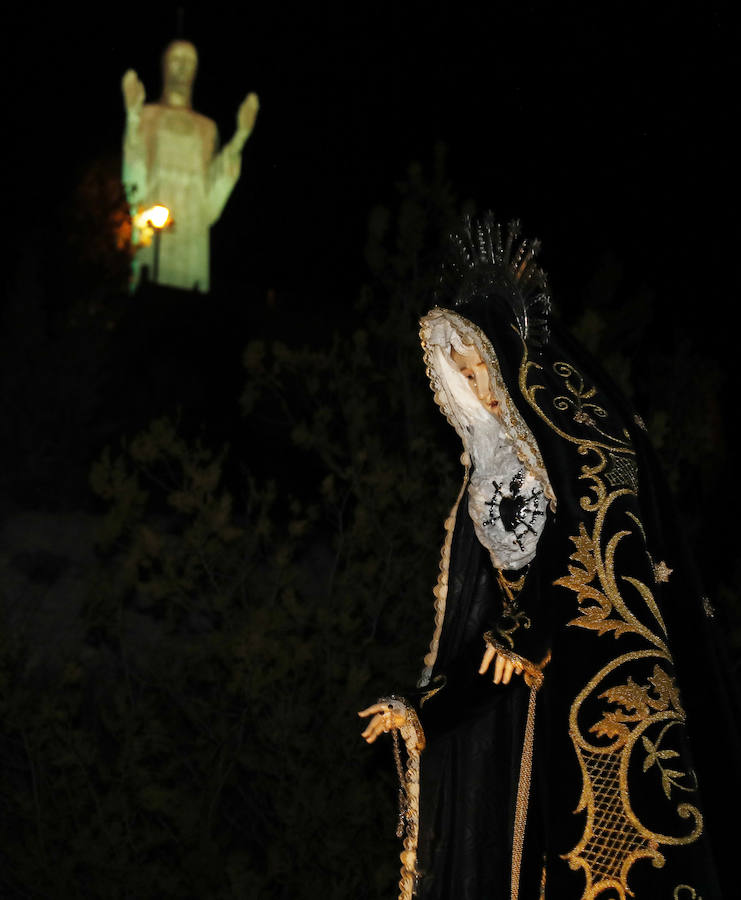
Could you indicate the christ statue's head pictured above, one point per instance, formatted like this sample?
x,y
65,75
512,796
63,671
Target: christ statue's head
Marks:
x,y
179,63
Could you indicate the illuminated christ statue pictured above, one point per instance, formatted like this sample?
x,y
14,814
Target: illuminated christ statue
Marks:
x,y
170,158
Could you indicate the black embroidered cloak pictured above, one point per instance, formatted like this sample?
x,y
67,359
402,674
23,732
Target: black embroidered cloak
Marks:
x,y
601,773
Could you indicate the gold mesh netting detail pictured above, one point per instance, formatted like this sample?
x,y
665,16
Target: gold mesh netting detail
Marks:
x,y
622,471
611,843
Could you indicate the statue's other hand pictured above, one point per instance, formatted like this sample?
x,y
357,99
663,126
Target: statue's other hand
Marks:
x,y
384,719
247,112
503,668
133,91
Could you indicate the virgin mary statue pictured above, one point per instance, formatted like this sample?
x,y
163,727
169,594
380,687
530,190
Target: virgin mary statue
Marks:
x,y
573,734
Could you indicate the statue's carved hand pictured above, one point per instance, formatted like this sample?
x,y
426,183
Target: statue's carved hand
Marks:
x,y
503,667
247,113
507,662
386,717
133,91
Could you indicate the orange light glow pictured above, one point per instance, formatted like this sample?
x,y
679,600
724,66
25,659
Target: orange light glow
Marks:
x,y
155,217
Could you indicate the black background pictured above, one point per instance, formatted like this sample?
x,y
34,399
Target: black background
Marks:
x,y
598,125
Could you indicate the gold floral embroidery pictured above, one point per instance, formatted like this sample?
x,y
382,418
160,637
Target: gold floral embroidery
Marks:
x,y
579,401
530,392
641,714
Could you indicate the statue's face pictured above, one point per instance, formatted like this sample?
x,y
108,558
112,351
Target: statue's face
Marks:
x,y
474,370
181,61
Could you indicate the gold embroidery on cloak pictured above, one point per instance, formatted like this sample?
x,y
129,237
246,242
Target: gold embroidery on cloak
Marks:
x,y
614,838
691,895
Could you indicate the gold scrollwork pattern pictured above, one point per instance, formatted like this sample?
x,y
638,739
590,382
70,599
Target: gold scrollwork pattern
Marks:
x,y
580,399
690,895
629,714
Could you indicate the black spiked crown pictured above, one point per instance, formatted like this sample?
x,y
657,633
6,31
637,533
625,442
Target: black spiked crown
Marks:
x,y
483,264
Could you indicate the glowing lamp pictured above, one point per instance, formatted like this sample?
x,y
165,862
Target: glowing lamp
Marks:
x,y
157,216
153,221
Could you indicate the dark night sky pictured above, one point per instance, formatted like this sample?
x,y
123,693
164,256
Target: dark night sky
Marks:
x,y
598,124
